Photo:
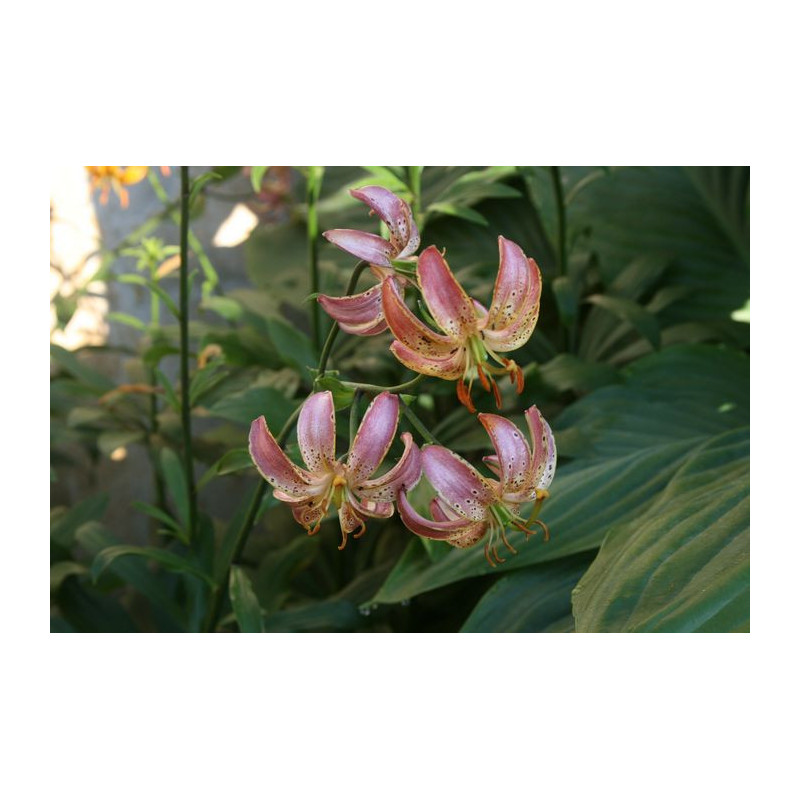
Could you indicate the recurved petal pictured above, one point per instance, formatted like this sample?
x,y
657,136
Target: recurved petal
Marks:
x,y
373,438
366,246
273,464
349,519
517,289
360,314
310,512
445,530
544,449
460,485
513,453
446,299
440,512
450,368
395,213
381,509
409,330
514,335
316,432
405,474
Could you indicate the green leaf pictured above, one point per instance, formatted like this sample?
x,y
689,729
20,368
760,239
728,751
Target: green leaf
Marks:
x,y
256,176
342,395
158,514
94,538
172,469
246,406
169,392
244,602
463,212
166,559
684,564
198,183
62,531
567,296
62,570
226,307
330,615
204,380
71,363
529,600
633,439
233,461
127,319
292,344
568,373
632,313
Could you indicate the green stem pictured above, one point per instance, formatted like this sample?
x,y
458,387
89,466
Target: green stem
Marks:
x,y
313,188
417,423
244,531
371,388
334,331
415,184
186,412
558,188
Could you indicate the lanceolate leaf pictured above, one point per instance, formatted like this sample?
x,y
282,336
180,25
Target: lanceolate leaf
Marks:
x,y
244,602
684,565
165,558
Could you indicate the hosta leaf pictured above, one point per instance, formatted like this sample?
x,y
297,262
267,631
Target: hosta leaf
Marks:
x,y
684,564
529,600
632,440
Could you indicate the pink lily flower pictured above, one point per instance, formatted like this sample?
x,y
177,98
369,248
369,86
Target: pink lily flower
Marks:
x,y
469,505
362,314
471,334
347,483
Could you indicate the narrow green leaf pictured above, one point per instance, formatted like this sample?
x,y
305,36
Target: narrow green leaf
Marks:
x,y
158,514
168,560
256,177
169,392
198,183
127,319
463,212
244,602
632,313
172,469
226,307
71,363
62,570
62,531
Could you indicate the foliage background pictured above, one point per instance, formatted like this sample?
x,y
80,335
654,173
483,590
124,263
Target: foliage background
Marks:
x,y
640,361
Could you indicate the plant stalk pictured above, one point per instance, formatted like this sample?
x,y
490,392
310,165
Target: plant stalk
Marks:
x,y
313,188
186,411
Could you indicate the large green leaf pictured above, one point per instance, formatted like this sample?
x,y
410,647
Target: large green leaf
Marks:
x,y
684,564
633,439
536,599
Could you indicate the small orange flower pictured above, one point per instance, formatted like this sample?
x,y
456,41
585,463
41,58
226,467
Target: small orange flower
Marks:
x,y
117,178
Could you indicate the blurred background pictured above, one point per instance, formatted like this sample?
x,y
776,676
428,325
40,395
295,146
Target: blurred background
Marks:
x,y
640,361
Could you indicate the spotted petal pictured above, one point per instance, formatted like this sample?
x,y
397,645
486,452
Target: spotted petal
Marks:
x,y
450,368
544,449
445,530
358,314
367,246
374,437
405,474
316,432
513,453
397,216
515,300
449,304
274,466
460,485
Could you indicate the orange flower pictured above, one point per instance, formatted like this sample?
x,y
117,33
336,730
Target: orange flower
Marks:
x,y
117,178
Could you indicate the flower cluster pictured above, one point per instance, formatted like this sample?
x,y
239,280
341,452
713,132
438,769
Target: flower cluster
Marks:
x,y
469,342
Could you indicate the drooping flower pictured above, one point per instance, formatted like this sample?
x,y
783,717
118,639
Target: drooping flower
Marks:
x,y
469,505
347,483
361,314
117,178
471,335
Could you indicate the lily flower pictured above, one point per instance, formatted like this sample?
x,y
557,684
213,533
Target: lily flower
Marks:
x,y
471,334
361,314
117,178
348,483
469,505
